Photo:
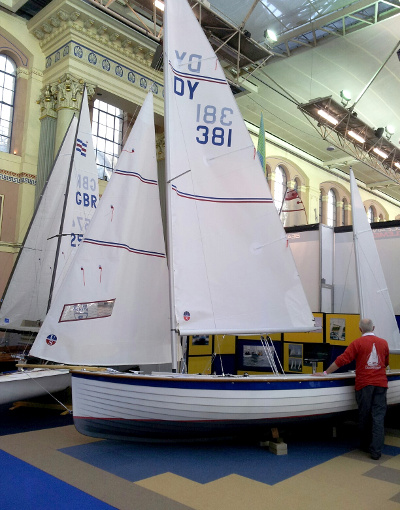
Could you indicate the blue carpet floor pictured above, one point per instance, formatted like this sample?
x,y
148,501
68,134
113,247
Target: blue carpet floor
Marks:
x,y
204,462
28,419
34,489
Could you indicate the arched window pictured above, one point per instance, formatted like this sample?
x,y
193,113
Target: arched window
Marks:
x,y
107,137
280,186
344,205
370,214
297,185
331,212
8,73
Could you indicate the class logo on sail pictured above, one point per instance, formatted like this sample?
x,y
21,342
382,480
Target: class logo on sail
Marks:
x,y
186,316
81,147
51,340
373,360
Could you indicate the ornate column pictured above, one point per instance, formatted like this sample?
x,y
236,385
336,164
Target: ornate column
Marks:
x,y
48,125
59,101
68,92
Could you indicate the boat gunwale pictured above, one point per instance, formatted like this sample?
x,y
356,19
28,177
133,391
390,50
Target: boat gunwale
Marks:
x,y
224,378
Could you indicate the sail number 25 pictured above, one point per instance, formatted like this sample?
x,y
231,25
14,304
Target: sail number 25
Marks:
x,y
210,115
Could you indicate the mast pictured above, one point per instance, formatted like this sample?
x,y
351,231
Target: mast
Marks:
x,y
168,191
356,249
60,233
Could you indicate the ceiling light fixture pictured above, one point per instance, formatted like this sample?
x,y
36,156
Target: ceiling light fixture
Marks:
x,y
397,164
270,34
328,117
345,96
380,153
159,4
389,130
356,136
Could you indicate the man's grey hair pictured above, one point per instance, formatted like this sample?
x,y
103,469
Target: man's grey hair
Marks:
x,y
366,325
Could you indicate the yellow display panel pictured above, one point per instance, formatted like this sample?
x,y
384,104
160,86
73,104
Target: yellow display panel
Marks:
x,y
275,337
199,365
224,344
394,360
200,345
315,337
341,329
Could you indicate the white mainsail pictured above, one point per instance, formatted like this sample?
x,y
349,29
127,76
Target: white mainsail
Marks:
x,y
293,212
233,270
375,302
112,307
26,298
56,229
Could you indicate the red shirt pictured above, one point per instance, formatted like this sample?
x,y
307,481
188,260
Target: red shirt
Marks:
x,y
372,357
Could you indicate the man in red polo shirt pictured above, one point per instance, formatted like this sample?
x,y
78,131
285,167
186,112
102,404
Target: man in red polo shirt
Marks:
x,y
372,357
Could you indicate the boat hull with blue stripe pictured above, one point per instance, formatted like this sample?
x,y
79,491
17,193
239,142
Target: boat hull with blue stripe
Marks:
x,y
175,406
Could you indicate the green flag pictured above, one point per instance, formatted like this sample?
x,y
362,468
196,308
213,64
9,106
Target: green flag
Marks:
x,y
261,144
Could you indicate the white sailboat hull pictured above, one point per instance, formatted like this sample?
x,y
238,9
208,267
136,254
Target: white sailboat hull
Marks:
x,y
32,383
128,406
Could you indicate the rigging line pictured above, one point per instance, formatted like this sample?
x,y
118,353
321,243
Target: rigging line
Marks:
x,y
177,176
269,355
43,388
289,98
209,366
277,240
57,235
372,270
231,152
219,354
283,121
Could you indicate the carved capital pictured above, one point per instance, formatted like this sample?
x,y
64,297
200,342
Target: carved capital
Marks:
x,y
66,92
47,103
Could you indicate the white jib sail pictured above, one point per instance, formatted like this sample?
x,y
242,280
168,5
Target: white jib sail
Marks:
x,y
375,302
112,307
27,295
82,197
233,269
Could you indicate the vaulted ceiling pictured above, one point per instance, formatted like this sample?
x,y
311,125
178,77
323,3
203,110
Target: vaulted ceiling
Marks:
x,y
322,47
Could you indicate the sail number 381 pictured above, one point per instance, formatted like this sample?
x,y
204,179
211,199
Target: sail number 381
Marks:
x,y
217,135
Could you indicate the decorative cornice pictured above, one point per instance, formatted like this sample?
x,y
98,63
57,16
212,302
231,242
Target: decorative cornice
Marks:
x,y
37,72
71,16
105,64
23,72
22,178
